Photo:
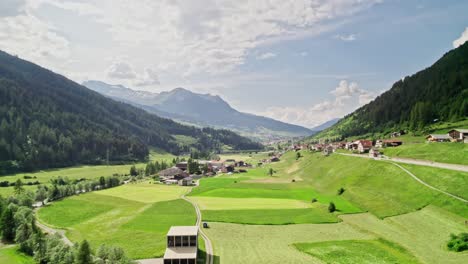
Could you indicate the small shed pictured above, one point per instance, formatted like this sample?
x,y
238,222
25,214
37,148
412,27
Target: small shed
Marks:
x,y
187,181
438,138
459,134
374,153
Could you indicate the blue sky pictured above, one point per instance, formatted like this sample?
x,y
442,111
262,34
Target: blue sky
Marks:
x,y
298,61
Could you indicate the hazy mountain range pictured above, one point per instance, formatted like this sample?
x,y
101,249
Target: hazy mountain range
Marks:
x,y
203,110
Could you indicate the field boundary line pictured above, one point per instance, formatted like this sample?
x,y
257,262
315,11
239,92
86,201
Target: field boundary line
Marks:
x,y
208,245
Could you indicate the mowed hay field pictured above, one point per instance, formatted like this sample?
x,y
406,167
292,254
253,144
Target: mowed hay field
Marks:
x,y
406,222
135,217
419,236
377,251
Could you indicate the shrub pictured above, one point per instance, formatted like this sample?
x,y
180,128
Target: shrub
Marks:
x,y
314,200
341,191
458,243
331,207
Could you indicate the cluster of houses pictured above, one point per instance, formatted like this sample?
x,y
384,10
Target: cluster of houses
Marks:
x,y
454,135
179,174
359,146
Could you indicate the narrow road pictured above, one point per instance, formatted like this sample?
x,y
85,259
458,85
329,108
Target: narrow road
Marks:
x,y
208,245
412,175
457,167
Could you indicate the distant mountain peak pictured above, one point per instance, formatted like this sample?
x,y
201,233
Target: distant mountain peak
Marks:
x,y
204,110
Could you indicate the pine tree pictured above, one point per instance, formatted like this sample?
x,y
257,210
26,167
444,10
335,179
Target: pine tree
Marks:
x,y
83,255
8,225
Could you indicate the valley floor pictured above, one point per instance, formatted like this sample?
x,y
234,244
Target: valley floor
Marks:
x,y
284,218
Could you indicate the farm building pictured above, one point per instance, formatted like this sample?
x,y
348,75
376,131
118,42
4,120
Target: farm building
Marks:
x,y
388,143
374,153
459,134
438,138
187,181
182,245
182,165
172,174
327,150
363,145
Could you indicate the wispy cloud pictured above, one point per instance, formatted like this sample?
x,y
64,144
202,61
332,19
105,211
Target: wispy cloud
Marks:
x,y
350,37
266,56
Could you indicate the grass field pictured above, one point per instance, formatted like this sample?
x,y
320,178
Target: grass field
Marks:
x,y
456,153
142,212
377,251
11,255
271,216
421,234
78,172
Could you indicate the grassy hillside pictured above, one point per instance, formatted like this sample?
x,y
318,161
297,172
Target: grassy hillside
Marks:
x,y
439,92
142,212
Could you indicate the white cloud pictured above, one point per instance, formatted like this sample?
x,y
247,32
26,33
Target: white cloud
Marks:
x,y
266,56
121,70
462,39
347,98
347,38
149,78
186,38
303,54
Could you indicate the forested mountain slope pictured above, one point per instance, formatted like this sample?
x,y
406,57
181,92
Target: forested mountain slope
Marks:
x,y
438,93
47,120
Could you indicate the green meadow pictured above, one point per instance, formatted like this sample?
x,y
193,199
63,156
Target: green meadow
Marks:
x,y
456,153
78,172
284,218
143,212
377,251
11,255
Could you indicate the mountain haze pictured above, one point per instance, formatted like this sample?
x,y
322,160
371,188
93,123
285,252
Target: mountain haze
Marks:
x,y
438,93
201,110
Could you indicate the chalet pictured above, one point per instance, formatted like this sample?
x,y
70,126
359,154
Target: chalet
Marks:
x,y
182,165
173,173
227,169
349,145
388,143
363,145
187,181
459,134
397,133
182,245
327,150
438,138
374,153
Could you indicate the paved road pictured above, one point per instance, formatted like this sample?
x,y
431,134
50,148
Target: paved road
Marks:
x,y
412,175
457,167
208,245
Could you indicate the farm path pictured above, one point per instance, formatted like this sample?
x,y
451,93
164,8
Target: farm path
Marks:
x,y
429,186
457,167
412,175
52,231
208,245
